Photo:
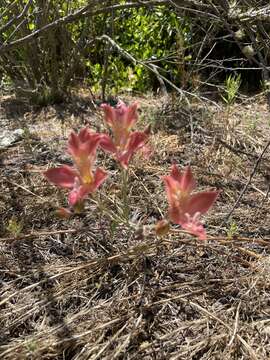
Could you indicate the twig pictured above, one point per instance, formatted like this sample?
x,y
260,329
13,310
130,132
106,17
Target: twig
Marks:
x,y
252,353
107,52
226,145
201,309
235,325
43,233
16,18
83,12
247,184
153,68
25,189
111,340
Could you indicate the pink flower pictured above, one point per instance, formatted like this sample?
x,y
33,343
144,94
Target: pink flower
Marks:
x,y
82,148
185,208
80,179
124,143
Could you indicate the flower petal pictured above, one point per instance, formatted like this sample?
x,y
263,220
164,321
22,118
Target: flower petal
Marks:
x,y
201,202
187,182
107,144
89,147
131,115
195,228
147,151
171,186
73,143
75,196
85,134
63,176
185,179
135,142
120,116
177,216
84,144
110,114
175,173
80,191
99,177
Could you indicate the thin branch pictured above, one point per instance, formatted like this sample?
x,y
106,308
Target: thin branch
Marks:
x,y
16,18
248,183
81,13
252,14
193,7
153,68
8,8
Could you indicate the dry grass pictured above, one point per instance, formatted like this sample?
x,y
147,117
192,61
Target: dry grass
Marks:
x,y
95,287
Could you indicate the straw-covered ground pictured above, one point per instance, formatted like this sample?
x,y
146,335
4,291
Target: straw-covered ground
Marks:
x,y
96,287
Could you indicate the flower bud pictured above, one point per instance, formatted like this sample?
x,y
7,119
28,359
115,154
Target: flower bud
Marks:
x,y
63,213
239,34
248,51
162,228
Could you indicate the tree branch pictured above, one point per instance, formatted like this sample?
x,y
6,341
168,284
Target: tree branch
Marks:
x,y
16,18
81,13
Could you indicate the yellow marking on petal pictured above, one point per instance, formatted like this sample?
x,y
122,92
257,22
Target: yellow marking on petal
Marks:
x,y
180,195
87,178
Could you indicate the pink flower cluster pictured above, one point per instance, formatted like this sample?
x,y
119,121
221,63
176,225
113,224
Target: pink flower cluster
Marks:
x,y
82,179
124,142
185,208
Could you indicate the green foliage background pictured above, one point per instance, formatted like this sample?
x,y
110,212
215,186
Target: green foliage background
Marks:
x,y
47,67
155,35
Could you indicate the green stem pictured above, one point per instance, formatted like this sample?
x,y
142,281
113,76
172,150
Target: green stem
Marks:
x,y
124,194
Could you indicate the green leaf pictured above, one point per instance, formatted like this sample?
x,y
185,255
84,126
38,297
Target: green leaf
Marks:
x,y
31,26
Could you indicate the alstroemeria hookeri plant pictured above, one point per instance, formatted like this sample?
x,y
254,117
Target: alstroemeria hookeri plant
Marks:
x,y
185,208
124,143
80,179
